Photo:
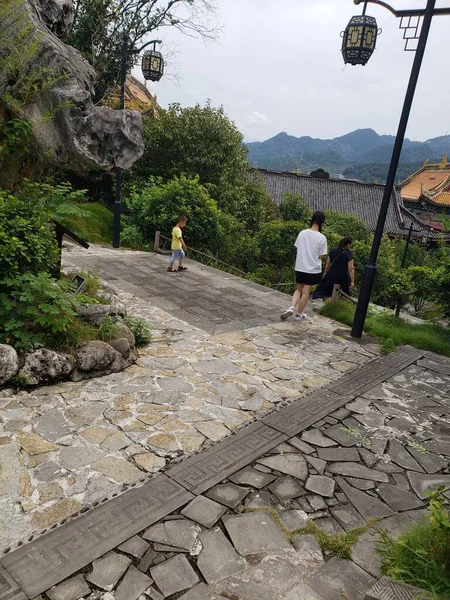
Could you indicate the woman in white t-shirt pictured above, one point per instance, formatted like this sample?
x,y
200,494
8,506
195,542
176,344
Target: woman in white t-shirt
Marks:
x,y
311,247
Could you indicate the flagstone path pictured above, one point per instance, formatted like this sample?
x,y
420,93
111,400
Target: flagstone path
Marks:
x,y
363,445
67,446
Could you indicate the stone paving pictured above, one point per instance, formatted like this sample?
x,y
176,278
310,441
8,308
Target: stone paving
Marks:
x,y
215,525
67,446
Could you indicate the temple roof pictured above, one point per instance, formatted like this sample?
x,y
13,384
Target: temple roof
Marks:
x,y
429,181
342,195
137,97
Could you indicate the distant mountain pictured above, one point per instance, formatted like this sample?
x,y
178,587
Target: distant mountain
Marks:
x,y
354,152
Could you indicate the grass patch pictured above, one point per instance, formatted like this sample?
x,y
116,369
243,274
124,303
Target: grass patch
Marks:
x,y
140,329
420,557
339,545
392,332
96,227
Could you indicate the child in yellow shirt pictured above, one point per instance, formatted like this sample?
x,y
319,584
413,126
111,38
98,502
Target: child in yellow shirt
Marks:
x,y
178,246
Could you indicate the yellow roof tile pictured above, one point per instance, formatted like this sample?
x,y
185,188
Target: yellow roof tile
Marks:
x,y
427,181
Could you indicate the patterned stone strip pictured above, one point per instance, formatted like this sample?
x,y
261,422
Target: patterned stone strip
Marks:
x,y
200,472
435,362
38,566
305,411
375,372
9,590
388,589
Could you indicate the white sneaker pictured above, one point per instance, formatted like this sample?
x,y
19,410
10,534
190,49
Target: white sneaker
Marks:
x,y
287,313
300,317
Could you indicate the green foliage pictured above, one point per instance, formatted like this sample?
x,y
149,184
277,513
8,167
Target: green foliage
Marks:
x,y
421,555
439,513
443,290
20,382
16,137
108,329
20,45
35,310
157,207
60,200
202,142
91,283
27,238
396,331
293,208
100,26
140,329
95,226
423,282
342,224
234,245
276,244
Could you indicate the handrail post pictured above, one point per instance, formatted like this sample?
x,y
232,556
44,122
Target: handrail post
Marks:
x,y
156,244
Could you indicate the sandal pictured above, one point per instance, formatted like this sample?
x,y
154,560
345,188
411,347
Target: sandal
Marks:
x,y
182,268
171,270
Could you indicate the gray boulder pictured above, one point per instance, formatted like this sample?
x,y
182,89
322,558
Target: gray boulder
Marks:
x,y
81,137
94,360
9,363
95,356
124,340
95,313
46,365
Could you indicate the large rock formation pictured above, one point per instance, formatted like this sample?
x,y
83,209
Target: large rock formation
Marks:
x,y
81,137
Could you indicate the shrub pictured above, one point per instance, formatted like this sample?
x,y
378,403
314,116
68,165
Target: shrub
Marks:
x,y
140,329
293,208
27,238
157,207
276,245
35,310
94,226
423,282
108,329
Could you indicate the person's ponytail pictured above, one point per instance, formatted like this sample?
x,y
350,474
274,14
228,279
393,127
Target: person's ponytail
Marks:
x,y
345,242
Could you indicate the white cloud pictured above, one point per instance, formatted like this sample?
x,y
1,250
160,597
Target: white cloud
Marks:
x,y
284,58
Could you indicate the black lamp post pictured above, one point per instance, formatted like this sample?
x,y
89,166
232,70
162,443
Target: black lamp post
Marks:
x,y
153,70
357,47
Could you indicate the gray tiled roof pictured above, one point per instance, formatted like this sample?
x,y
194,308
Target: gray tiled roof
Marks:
x,y
342,195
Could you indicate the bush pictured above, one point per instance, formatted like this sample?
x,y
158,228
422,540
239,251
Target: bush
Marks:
x,y
35,310
140,329
234,245
276,245
157,207
27,237
293,208
423,282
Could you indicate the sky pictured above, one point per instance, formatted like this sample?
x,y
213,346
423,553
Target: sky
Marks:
x,y
277,66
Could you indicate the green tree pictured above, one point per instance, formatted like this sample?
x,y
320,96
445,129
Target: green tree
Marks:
x,y
198,141
100,26
343,224
157,206
423,282
293,208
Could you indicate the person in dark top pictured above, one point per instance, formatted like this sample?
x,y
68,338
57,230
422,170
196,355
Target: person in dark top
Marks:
x,y
339,269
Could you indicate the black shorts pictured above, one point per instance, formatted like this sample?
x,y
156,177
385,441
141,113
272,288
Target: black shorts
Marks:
x,y
308,278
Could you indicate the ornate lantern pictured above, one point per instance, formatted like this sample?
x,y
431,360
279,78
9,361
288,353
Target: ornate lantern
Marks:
x,y
152,65
359,39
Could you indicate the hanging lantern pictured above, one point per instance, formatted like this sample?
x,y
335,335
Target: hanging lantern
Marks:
x,y
152,65
359,39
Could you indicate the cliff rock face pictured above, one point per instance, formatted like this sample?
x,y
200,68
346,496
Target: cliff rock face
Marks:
x,y
79,136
